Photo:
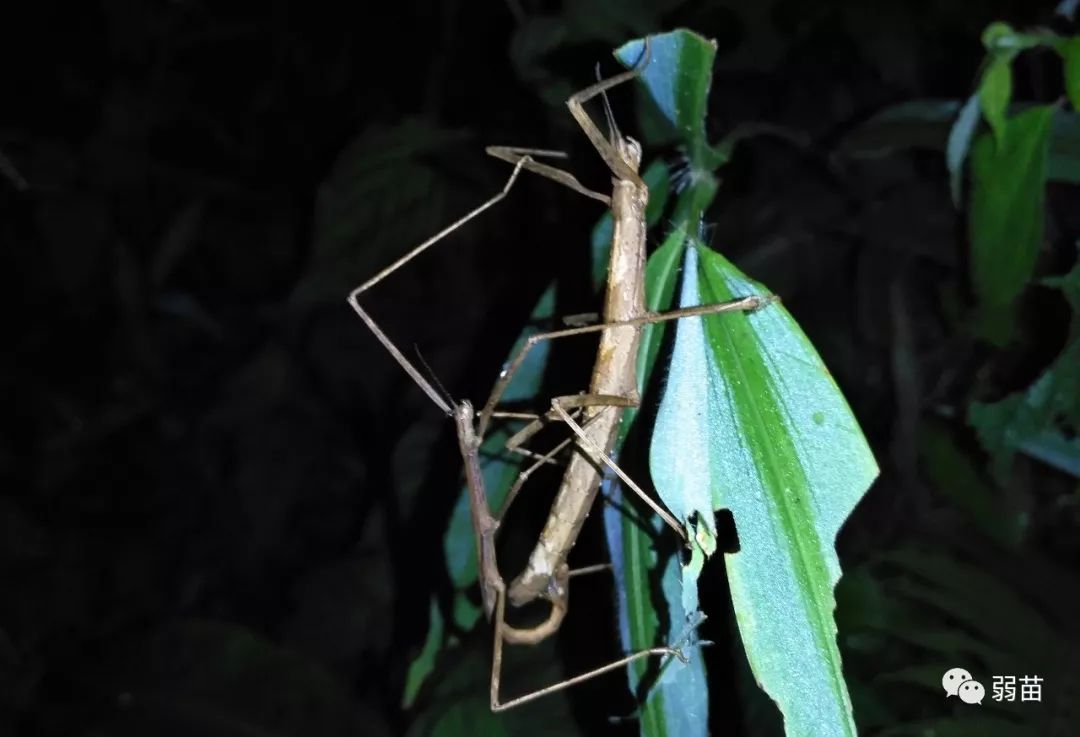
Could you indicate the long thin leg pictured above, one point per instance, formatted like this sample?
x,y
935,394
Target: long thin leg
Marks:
x,y
515,155
514,442
744,304
577,401
516,415
558,404
496,666
353,298
595,568
540,459
526,472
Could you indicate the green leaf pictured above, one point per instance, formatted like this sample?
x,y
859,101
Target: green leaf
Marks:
x,y
956,150
678,704
1054,448
999,39
957,478
1006,218
1063,162
582,22
995,91
677,79
973,597
424,663
922,123
1071,61
929,124
384,193
207,677
1042,420
752,421
933,124
997,35
457,704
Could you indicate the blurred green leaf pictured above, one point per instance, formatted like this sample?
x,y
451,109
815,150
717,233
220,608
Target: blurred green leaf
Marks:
x,y
1006,218
1047,414
957,478
457,703
213,678
582,22
929,124
961,135
922,123
982,605
1063,161
424,663
382,196
956,611
1071,62
1001,39
1054,448
995,91
997,35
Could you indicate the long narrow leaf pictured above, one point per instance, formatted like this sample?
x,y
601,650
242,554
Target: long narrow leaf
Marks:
x,y
1007,193
752,421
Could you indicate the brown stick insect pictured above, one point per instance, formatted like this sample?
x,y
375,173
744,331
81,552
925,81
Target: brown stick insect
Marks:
x,y
613,388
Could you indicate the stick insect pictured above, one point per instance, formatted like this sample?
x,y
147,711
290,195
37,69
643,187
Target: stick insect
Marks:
x,y
613,388
614,380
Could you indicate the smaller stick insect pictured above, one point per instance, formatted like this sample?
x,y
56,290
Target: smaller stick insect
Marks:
x,y
470,429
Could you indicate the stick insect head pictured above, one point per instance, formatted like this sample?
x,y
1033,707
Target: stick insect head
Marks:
x,y
465,420
630,151
464,412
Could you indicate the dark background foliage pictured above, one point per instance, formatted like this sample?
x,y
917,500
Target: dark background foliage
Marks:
x,y
223,503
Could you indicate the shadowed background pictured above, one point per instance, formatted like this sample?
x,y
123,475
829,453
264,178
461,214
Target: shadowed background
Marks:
x,y
222,502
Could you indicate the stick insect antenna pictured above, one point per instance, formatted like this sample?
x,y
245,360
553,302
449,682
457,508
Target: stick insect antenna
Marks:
x,y
433,377
614,134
